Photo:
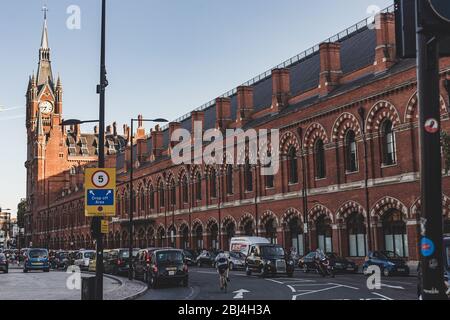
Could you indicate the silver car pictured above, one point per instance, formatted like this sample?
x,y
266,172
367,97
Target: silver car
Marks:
x,y
237,260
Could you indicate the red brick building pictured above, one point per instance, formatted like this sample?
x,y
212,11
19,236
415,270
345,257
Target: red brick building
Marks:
x,y
331,102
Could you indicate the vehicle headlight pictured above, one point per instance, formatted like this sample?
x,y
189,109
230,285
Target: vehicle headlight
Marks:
x,y
290,262
390,264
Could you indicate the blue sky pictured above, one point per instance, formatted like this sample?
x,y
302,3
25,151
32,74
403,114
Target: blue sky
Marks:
x,y
164,57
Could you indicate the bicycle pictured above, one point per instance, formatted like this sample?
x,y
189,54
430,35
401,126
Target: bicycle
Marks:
x,y
223,280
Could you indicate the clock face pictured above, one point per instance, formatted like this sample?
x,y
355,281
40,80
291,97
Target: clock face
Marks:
x,y
441,8
46,107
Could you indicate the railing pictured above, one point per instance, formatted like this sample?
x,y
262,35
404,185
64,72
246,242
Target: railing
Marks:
x,y
296,59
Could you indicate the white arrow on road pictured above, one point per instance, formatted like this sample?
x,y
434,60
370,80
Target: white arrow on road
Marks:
x,y
240,294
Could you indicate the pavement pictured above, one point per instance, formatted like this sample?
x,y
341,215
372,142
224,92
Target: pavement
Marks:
x,y
204,285
37,285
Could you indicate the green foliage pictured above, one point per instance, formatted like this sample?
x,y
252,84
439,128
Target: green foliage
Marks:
x,y
21,209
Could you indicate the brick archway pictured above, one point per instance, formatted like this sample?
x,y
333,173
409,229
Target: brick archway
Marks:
x,y
315,131
385,204
411,113
345,122
319,210
380,111
289,139
347,209
415,208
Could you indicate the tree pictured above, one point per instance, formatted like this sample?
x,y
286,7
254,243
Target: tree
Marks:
x,y
21,209
446,150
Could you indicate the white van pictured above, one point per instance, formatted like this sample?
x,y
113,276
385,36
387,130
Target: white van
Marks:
x,y
242,244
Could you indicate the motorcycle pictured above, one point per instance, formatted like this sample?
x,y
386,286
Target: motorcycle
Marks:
x,y
324,267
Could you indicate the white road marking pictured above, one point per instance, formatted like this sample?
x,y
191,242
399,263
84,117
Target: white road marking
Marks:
x,y
292,288
380,295
342,285
240,294
392,287
315,291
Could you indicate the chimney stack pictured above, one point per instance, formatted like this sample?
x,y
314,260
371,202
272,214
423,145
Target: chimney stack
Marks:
x,y
96,130
281,88
385,52
157,142
245,106
330,67
173,126
114,129
223,113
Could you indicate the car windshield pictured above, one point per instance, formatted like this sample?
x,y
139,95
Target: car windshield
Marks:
x,y
126,253
272,251
169,256
89,255
38,254
188,254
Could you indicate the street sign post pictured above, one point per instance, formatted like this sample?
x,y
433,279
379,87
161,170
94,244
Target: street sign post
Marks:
x,y
100,189
105,227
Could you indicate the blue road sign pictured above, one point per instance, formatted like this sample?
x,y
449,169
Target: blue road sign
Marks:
x,y
100,197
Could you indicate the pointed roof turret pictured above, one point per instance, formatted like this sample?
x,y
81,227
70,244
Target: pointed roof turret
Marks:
x,y
44,75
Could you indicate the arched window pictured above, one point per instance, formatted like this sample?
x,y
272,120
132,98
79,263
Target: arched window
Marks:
x,y
269,179
324,234
213,183
388,143
351,156
126,199
357,235
292,165
395,237
151,197
184,187
198,187
173,193
248,176
142,198
229,179
162,198
319,152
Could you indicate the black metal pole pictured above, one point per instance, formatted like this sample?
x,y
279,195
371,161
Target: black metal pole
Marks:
x,y
130,229
96,221
219,204
362,113
304,195
431,243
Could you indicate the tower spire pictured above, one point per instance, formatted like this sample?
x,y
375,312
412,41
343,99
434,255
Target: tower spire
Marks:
x,y
45,69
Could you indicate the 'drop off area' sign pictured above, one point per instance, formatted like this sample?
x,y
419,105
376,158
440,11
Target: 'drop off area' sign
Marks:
x,y
100,189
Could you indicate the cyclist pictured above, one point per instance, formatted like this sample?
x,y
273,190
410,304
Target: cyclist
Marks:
x,y
222,265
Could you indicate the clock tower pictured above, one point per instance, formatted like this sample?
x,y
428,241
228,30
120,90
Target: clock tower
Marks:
x,y
45,136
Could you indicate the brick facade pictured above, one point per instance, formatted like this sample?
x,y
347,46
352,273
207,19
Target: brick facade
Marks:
x,y
357,87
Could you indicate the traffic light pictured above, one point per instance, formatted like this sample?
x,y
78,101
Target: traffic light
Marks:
x,y
432,16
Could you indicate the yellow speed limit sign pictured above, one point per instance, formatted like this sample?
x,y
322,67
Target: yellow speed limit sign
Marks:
x,y
100,190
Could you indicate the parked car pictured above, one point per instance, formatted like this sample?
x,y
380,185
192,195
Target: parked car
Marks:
x,y
83,258
237,260
93,262
117,262
388,261
168,266
4,266
141,263
36,259
339,264
268,259
60,260
206,258
190,257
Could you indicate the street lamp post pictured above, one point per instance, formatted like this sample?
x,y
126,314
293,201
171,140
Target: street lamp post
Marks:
x,y
132,202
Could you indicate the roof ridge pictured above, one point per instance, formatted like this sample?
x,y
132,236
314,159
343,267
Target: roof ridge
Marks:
x,y
338,37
